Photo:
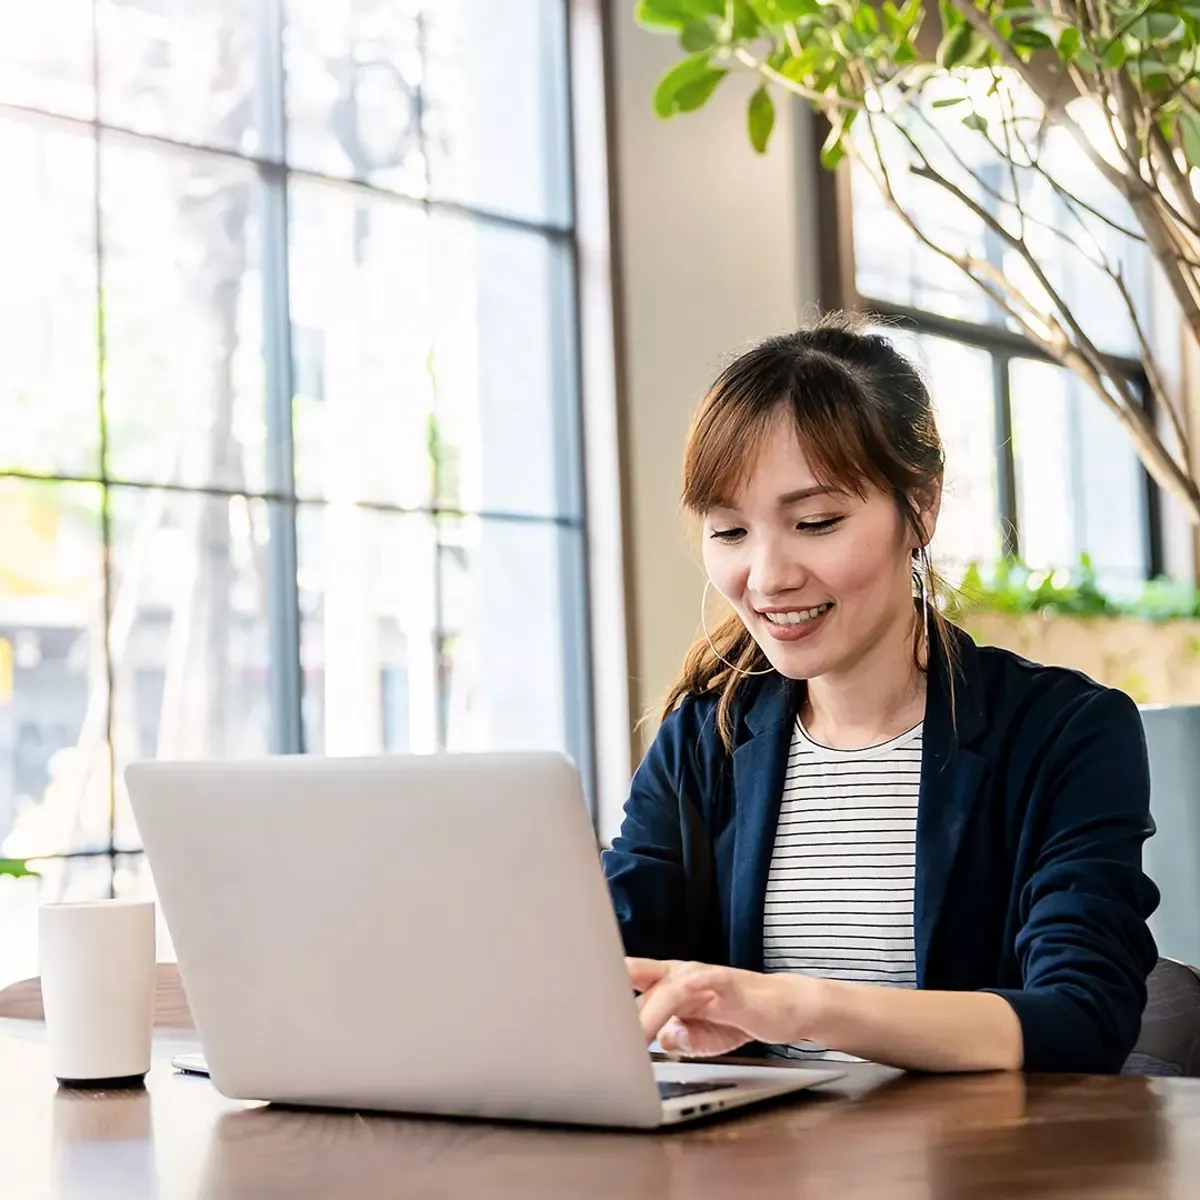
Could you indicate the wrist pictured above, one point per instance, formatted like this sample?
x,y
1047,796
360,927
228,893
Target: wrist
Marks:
x,y
811,999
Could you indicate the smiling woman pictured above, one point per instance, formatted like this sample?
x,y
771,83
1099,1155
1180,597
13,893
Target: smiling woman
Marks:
x,y
856,833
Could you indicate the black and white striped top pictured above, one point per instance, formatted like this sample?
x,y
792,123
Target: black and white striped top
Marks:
x,y
839,900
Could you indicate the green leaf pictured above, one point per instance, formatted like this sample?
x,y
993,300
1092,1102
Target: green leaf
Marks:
x,y
849,40
893,21
15,868
1085,59
777,12
1069,42
698,35
976,121
1028,38
693,95
1145,69
954,47
1189,123
1157,27
865,20
904,53
690,71
834,149
745,21
799,67
761,119
948,102
951,17
672,14
1113,58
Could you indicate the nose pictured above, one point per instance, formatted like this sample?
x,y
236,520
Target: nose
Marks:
x,y
774,569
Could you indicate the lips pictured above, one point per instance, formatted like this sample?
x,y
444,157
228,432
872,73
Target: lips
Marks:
x,y
793,624
795,616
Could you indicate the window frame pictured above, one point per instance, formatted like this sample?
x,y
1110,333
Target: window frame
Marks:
x,y
575,346
837,288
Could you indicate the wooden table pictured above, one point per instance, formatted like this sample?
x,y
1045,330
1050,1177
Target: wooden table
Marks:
x,y
876,1134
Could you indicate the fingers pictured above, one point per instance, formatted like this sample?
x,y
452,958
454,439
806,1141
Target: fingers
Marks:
x,y
644,973
685,995
673,1037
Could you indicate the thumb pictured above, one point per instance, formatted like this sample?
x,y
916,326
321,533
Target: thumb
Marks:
x,y
674,1036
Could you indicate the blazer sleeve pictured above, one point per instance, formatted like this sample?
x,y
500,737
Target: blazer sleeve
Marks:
x,y
1084,947
659,869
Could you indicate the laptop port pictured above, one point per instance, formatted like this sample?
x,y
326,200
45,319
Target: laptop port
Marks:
x,y
687,1112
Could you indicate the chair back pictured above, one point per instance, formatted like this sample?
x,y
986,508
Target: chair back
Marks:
x,y
1169,1043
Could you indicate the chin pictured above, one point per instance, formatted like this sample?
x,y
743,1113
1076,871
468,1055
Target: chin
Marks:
x,y
801,663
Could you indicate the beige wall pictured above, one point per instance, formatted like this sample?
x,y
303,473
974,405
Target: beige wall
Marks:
x,y
713,248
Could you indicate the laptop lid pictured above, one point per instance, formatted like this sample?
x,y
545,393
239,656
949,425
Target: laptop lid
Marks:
x,y
429,934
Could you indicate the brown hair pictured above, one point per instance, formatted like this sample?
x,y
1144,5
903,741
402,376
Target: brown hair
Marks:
x,y
864,417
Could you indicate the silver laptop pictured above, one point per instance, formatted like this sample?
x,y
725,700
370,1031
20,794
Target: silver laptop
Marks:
x,y
418,934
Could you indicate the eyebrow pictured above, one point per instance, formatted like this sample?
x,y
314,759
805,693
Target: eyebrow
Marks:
x,y
787,498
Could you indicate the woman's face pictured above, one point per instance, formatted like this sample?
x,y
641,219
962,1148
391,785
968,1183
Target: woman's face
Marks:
x,y
819,577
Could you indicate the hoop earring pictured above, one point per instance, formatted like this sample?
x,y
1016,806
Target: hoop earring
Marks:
x,y
708,639
921,569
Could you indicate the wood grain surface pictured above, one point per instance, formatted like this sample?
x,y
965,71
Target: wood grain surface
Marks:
x,y
24,1000
874,1134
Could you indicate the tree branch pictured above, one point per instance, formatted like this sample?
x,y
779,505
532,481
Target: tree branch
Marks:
x,y
797,89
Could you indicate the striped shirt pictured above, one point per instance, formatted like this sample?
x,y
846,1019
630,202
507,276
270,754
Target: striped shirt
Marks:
x,y
839,900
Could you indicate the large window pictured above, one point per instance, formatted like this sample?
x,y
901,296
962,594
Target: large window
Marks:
x,y
289,441
1036,466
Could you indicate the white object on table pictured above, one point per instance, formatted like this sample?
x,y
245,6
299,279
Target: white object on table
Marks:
x,y
98,985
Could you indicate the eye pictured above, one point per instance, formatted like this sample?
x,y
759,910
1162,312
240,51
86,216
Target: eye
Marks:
x,y
727,535
824,526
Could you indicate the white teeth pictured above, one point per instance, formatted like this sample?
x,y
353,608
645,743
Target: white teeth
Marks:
x,y
797,616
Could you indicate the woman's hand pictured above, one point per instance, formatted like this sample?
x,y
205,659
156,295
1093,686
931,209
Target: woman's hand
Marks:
x,y
701,1010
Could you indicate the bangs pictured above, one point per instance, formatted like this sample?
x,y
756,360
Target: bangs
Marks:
x,y
740,415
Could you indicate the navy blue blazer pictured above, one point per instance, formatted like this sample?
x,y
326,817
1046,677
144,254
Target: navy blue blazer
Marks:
x,y
1033,808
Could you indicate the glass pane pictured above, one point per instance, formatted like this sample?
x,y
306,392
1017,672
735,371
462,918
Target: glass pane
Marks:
x,y
184,395
891,264
502,371
183,71
46,55
58,880
368,612
189,631
133,880
1080,486
354,80
1092,297
361,322
495,112
54,770
49,381
961,384
506,587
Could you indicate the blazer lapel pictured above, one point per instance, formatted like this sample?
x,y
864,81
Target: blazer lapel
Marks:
x,y
759,767
950,778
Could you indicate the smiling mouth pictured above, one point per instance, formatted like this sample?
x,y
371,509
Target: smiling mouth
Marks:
x,y
797,616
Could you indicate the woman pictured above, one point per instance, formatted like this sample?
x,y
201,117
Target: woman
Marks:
x,y
857,832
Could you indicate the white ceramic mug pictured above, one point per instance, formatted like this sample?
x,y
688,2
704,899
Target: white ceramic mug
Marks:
x,y
98,989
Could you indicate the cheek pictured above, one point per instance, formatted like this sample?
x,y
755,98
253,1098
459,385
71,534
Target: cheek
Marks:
x,y
724,566
863,569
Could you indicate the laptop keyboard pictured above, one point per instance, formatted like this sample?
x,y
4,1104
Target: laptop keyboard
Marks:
x,y
670,1089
